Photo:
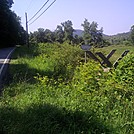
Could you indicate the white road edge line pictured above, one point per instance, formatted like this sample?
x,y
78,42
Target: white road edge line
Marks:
x,y
1,69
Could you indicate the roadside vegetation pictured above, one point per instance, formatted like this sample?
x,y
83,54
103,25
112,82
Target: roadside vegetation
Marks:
x,y
53,91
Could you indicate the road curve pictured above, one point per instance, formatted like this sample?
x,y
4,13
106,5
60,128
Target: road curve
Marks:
x,y
5,55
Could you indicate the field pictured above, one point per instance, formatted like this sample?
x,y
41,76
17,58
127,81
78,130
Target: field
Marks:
x,y
51,91
119,50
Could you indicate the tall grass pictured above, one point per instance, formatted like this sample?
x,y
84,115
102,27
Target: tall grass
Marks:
x,y
52,92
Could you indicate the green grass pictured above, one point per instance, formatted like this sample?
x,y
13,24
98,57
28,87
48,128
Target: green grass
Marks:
x,y
119,50
52,92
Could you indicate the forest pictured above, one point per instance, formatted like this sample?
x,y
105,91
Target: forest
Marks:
x,y
50,89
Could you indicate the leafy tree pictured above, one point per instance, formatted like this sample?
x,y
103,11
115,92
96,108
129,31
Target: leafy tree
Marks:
x,y
92,35
49,36
96,35
10,2
78,40
86,35
33,37
40,35
132,34
59,34
11,31
68,30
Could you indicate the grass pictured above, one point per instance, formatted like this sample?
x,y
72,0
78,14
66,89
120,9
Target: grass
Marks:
x,y
51,92
119,50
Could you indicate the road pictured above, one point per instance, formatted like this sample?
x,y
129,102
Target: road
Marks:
x,y
5,55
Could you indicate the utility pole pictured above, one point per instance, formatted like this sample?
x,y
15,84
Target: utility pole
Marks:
x,y
27,36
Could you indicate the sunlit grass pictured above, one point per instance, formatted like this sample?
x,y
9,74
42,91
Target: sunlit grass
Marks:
x,y
119,50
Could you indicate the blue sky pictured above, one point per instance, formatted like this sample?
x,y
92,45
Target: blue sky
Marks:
x,y
115,16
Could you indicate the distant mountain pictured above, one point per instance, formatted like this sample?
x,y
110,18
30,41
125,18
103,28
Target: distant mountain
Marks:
x,y
78,32
119,36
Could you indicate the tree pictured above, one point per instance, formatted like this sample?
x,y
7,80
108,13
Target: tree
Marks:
x,y
132,34
86,35
10,2
96,35
33,37
78,40
40,35
68,30
49,36
59,34
11,31
92,35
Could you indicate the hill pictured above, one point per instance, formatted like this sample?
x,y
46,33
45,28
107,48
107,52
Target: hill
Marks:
x,y
117,36
114,39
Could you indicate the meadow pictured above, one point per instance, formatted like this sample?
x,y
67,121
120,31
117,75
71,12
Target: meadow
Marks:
x,y
52,91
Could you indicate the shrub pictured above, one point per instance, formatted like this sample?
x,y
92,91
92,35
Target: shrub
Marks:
x,y
87,76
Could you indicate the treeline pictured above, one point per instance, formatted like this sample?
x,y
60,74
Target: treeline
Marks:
x,y
11,31
65,33
91,35
121,38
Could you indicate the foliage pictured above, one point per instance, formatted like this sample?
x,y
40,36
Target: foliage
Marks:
x,y
59,33
65,33
11,31
68,30
86,36
86,77
124,73
91,34
132,34
121,38
119,50
59,61
10,2
65,96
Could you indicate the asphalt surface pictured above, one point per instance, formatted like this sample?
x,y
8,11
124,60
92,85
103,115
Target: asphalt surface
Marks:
x,y
5,56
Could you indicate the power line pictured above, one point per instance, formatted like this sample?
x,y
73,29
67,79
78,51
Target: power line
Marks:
x,y
39,10
43,12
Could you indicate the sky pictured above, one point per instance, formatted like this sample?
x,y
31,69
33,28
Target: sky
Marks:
x,y
115,16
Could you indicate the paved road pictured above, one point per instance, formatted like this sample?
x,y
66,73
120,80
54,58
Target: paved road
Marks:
x,y
5,55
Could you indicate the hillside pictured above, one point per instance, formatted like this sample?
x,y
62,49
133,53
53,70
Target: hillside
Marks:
x,y
120,36
117,36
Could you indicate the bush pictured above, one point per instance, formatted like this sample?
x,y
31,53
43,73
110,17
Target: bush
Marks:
x,y
87,76
124,73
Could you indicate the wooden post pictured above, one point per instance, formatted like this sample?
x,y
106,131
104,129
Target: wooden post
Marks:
x,y
27,36
85,56
122,55
93,56
109,55
109,64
